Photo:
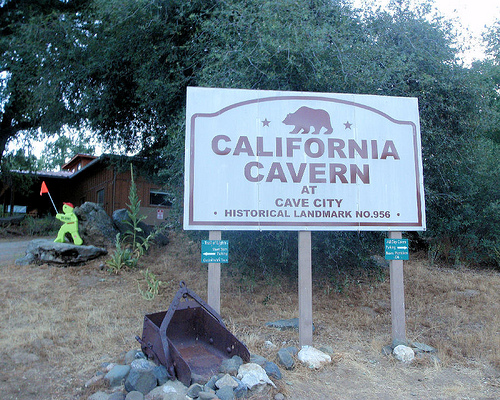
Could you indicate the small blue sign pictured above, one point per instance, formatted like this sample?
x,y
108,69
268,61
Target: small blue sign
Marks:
x,y
214,251
396,249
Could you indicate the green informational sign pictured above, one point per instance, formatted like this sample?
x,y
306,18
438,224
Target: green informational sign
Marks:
x,y
214,251
396,249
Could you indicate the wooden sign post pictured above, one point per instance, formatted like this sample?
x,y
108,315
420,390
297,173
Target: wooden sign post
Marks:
x,y
213,293
305,289
397,297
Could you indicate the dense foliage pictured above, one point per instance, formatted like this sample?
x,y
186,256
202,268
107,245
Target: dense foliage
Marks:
x,y
120,68
37,43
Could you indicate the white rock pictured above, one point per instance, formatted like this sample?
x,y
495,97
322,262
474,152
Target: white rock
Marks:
x,y
269,345
226,380
142,364
94,380
109,367
403,353
168,389
312,357
155,394
252,375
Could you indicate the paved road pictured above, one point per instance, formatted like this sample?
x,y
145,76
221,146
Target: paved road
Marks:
x,y
11,250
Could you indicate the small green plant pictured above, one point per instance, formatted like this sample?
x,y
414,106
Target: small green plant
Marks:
x,y
134,237
135,218
29,223
121,258
132,244
342,286
153,285
266,300
433,253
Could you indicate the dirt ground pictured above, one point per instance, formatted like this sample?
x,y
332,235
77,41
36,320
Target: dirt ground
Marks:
x,y
12,249
60,324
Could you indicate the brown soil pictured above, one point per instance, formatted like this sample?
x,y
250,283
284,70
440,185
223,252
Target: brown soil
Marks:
x,y
60,324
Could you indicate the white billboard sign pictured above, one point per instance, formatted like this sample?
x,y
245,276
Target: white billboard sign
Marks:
x,y
273,160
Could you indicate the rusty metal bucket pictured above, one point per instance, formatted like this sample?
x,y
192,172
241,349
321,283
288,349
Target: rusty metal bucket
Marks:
x,y
189,338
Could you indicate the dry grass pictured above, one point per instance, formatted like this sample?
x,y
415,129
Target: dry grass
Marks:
x,y
73,319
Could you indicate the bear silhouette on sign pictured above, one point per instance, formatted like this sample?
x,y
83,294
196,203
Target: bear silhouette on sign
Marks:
x,y
306,117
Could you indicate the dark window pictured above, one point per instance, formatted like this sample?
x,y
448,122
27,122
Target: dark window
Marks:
x,y
100,197
157,198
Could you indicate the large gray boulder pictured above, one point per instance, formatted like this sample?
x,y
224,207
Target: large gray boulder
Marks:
x,y
120,218
48,251
141,377
95,226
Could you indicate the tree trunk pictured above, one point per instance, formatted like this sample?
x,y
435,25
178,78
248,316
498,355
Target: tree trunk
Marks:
x,y
3,143
11,213
8,131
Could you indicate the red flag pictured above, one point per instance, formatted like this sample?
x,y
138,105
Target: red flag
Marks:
x,y
44,188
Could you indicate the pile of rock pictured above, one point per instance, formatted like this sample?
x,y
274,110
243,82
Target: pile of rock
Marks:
x,y
407,352
308,355
141,379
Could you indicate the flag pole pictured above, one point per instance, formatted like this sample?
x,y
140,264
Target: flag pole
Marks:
x,y
57,212
43,190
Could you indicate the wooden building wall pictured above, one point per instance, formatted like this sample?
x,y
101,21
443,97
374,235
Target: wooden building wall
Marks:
x,y
116,187
85,185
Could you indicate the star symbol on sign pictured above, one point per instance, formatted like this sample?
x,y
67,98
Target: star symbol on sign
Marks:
x,y
265,122
347,125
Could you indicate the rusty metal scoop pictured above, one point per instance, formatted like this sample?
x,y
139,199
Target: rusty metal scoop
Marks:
x,y
189,338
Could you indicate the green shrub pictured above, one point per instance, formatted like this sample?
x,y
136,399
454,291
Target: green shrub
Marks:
x,y
463,216
44,226
122,257
337,257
